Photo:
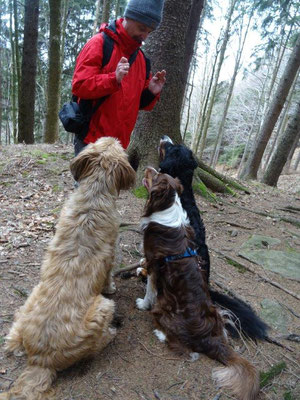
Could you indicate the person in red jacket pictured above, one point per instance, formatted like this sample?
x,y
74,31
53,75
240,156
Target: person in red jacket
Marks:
x,y
126,86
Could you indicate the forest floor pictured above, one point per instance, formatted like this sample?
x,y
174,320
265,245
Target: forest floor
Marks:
x,y
35,181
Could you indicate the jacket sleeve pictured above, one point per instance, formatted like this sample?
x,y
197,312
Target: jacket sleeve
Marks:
x,y
148,100
88,82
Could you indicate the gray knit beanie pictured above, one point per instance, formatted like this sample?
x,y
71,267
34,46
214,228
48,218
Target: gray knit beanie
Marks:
x,y
148,12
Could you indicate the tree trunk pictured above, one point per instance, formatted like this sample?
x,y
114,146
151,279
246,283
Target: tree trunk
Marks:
x,y
216,78
281,153
287,165
282,123
13,83
97,17
189,105
28,78
54,73
199,133
117,9
218,142
191,35
247,147
166,49
65,6
17,53
291,69
277,62
297,162
1,79
105,11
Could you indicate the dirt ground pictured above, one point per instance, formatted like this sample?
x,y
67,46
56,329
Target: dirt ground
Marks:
x,y
35,181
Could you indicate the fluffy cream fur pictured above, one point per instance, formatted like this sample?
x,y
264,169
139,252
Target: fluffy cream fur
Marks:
x,y
66,318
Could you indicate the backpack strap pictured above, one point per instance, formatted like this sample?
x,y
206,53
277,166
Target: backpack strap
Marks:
x,y
148,64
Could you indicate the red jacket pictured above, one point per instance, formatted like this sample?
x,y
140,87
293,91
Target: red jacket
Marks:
x,y
117,115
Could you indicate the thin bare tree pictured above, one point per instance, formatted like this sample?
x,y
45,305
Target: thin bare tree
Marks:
x,y
251,168
28,76
54,72
283,149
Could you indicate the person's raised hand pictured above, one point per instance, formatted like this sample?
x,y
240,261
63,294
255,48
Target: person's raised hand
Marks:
x,y
122,69
157,82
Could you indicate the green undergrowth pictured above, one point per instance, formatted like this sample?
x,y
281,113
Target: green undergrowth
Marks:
x,y
202,190
140,192
266,377
236,265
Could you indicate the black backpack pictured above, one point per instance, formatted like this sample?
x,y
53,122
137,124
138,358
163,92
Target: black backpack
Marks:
x,y
75,116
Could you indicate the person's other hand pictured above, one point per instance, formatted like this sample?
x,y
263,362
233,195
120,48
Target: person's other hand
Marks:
x,y
122,69
157,82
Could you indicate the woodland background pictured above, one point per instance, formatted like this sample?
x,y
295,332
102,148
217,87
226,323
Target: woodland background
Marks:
x,y
232,95
229,106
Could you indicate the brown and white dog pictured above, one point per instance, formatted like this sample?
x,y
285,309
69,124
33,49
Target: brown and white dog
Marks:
x,y
183,311
66,318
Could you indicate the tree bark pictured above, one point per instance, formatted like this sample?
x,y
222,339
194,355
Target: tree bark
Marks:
x,y
291,69
191,34
97,17
17,53
1,79
199,133
166,49
281,153
282,123
105,11
28,77
13,83
216,78
218,142
287,165
54,73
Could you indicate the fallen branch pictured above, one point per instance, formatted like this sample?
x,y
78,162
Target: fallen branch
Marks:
x,y
274,341
290,310
229,181
292,221
233,224
126,269
273,283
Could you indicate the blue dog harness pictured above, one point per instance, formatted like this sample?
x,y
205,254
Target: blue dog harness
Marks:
x,y
188,253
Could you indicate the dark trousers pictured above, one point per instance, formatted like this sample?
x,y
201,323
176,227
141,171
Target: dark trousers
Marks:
x,y
78,145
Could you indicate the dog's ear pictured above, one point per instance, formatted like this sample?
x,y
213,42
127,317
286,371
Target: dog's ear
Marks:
x,y
193,161
122,175
83,165
161,196
179,187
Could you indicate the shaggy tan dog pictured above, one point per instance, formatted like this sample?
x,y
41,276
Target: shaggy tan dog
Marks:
x,y
66,318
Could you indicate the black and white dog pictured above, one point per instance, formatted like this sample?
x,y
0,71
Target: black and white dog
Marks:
x,y
179,162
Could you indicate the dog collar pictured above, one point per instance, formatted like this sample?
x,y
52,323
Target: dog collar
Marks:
x,y
188,253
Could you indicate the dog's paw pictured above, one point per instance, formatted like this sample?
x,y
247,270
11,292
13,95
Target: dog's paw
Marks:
x,y
160,335
142,305
143,262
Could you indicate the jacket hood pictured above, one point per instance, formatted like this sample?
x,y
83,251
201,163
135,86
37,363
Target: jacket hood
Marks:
x,y
126,42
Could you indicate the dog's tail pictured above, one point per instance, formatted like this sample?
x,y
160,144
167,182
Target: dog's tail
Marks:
x,y
239,376
33,384
243,316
